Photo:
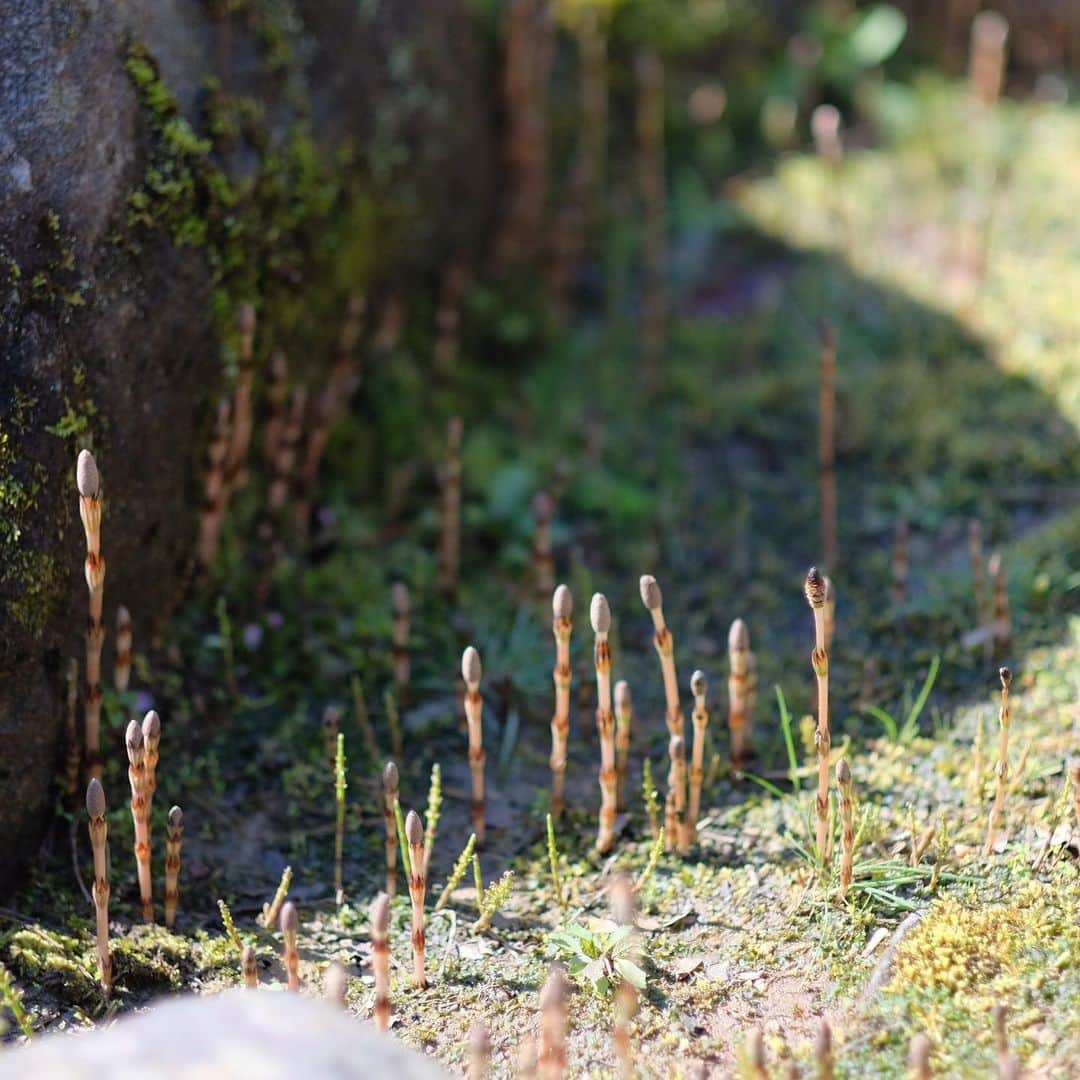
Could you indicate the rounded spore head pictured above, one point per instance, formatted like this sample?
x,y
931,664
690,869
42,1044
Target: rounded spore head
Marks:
x,y
176,818
390,778
133,737
562,602
815,587
87,478
699,685
600,614
843,772
95,798
651,596
1006,677
151,725
248,958
471,668
738,639
290,918
399,598
622,695
380,914
414,829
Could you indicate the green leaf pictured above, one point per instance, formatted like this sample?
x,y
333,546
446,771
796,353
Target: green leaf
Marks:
x,y
628,970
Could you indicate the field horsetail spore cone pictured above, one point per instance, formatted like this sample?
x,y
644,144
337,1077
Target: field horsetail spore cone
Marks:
x,y
819,658
562,610
401,607
88,482
699,687
390,798
1002,770
474,709
122,663
140,814
99,834
151,730
173,840
624,718
600,617
414,834
653,599
290,926
738,692
380,959
450,509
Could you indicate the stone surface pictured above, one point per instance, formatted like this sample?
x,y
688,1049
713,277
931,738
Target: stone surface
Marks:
x,y
239,1034
106,332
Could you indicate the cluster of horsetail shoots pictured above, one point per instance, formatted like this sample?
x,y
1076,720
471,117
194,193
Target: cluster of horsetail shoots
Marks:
x,y
71,733
474,707
390,798
340,785
122,663
174,838
562,610
136,752
215,489
600,617
738,692
543,560
900,563
624,718
88,481
434,812
1002,620
414,834
819,658
450,510
699,687
653,600
460,869
249,967
553,994
380,959
401,607
827,444
1002,770
290,925
847,824
99,834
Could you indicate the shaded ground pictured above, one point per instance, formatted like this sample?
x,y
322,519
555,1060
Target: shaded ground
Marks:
x,y
958,398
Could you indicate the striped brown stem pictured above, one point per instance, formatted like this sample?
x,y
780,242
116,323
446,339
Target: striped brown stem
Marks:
x,y
827,444
380,959
290,926
986,65
553,995
624,718
653,599
450,510
819,658
600,617
676,783
623,911
738,656
919,1057
88,482
414,834
755,1055
699,687
401,606
278,490
474,708
1002,620
122,663
99,833
151,729
543,560
847,824
1002,770
173,840
455,281
249,967
71,733
215,490
136,752
390,798
526,1059
242,407
479,1051
562,609
900,563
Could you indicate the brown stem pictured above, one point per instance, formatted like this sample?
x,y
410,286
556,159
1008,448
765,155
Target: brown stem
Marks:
x,y
249,968
1002,771
290,925
99,832
900,563
738,656
174,839
401,605
1002,621
847,824
624,718
450,510
474,706
380,959
390,798
699,687
136,752
88,482
819,658
215,490
562,626
600,615
543,560
243,416
414,833
552,1059
479,1051
72,760
122,664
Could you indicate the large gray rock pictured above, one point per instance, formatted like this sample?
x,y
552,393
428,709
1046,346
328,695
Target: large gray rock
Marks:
x,y
106,327
236,1035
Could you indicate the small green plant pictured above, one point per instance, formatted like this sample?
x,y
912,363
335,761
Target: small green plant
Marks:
x,y
11,996
600,954
495,896
553,860
406,862
478,880
650,797
650,866
460,867
230,926
789,740
339,832
431,817
902,734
